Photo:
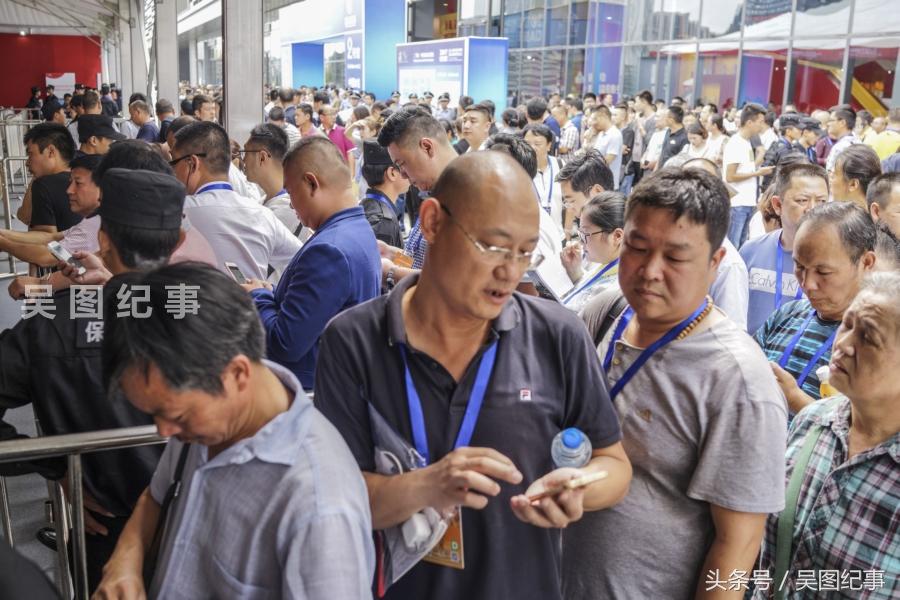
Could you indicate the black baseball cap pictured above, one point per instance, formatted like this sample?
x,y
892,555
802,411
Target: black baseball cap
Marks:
x,y
141,199
97,125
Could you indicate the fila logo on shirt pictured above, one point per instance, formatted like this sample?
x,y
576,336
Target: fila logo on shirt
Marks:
x,y
524,395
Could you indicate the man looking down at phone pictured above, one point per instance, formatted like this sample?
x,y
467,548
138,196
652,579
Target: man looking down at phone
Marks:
x,y
55,363
703,420
337,268
419,147
457,340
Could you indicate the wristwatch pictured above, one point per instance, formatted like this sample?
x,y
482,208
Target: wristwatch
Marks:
x,y
389,282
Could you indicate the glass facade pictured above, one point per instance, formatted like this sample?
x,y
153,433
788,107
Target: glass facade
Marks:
x,y
812,53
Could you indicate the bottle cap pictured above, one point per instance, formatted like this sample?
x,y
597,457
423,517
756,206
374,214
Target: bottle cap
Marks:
x,y
571,438
823,373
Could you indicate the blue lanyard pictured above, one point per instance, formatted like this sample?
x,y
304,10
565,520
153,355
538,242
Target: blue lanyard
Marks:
x,y
779,265
473,406
646,354
417,232
380,198
825,347
218,185
592,280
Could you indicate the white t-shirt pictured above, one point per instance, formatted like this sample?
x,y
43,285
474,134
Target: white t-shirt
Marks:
x,y
739,151
768,137
610,142
654,146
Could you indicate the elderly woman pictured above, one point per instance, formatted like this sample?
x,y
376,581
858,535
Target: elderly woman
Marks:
x,y
840,523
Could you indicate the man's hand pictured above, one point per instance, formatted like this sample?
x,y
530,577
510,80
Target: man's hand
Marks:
x,y
91,525
796,398
552,512
763,171
387,251
95,273
18,287
465,477
256,284
571,259
120,583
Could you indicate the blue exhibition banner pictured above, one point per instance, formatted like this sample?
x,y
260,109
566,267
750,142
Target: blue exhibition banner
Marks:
x,y
353,65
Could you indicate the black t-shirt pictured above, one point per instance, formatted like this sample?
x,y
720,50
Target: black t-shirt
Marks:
x,y
547,377
50,203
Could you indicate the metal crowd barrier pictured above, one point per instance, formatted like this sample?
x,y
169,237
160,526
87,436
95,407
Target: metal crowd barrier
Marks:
x,y
72,446
14,176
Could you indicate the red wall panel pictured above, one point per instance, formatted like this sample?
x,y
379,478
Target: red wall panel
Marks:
x,y
27,58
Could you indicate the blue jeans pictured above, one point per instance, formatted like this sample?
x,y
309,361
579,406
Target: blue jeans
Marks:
x,y
740,224
625,185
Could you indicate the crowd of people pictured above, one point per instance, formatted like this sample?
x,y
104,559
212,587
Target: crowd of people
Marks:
x,y
363,327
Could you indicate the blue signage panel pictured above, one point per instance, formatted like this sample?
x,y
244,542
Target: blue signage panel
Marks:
x,y
353,66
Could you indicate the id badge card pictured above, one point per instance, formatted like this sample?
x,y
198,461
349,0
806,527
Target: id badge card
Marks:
x,y
449,551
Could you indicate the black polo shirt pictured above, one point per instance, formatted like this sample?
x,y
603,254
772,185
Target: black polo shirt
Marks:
x,y
672,145
546,377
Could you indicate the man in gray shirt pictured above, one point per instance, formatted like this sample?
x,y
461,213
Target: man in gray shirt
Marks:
x,y
271,503
703,420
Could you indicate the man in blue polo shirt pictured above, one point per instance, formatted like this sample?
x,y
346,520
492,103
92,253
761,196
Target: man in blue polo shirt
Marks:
x,y
337,268
833,250
770,261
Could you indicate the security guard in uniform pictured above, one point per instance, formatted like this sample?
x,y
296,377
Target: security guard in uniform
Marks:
x,y
52,357
789,124
386,184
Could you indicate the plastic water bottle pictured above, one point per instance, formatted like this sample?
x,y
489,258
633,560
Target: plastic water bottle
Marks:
x,y
570,448
825,388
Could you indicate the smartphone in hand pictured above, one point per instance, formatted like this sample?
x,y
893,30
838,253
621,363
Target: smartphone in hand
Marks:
x,y
63,255
236,273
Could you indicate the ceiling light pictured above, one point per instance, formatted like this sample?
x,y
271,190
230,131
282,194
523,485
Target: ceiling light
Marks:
x,y
22,32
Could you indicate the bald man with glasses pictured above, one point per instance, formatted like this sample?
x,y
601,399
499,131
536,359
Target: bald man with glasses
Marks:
x,y
468,382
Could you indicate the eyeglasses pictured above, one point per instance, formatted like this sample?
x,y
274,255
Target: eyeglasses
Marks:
x,y
172,163
495,255
585,235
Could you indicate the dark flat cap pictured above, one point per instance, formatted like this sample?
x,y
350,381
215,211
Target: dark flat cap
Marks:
x,y
789,120
810,123
375,154
141,199
98,125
